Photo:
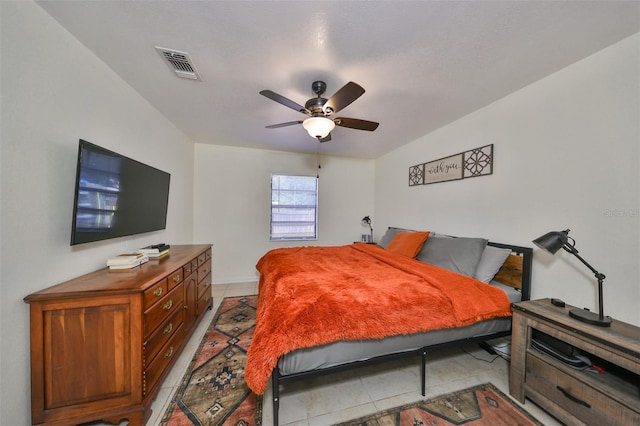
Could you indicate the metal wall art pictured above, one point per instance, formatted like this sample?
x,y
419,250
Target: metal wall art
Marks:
x,y
472,163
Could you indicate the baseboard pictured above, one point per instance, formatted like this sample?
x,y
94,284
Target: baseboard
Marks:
x,y
236,280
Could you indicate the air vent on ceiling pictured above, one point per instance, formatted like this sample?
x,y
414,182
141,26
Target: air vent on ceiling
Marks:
x,y
179,62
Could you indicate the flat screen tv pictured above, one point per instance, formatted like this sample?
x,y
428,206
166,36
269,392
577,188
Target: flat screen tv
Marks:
x,y
116,196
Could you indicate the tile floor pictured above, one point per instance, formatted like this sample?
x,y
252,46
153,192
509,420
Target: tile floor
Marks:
x,y
344,396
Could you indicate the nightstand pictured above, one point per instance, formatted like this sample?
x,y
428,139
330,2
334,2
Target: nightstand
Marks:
x,y
576,396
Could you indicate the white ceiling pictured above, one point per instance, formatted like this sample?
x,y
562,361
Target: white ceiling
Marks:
x,y
423,64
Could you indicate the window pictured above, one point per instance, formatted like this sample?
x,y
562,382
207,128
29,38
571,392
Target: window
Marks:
x,y
294,207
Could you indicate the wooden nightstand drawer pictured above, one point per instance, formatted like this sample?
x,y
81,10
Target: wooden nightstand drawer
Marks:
x,y
582,401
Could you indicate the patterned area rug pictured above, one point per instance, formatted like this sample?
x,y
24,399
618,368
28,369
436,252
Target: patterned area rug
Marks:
x,y
213,392
480,405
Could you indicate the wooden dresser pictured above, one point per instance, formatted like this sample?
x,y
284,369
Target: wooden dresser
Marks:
x,y
102,343
576,397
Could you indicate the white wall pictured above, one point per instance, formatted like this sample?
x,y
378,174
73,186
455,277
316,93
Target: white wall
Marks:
x,y
54,91
566,156
232,201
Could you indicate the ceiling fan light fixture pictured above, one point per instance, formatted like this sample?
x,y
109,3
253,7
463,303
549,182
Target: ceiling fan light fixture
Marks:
x,y
318,127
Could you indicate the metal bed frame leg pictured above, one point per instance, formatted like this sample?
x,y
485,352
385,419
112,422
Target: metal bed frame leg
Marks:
x,y
275,390
423,371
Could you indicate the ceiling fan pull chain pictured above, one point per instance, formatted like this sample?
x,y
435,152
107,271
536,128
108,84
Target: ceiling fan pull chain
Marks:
x,y
319,165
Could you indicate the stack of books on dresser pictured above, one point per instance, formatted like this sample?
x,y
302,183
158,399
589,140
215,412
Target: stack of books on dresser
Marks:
x,y
155,251
127,260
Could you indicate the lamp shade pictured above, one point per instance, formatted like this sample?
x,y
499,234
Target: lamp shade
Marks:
x,y
318,127
552,241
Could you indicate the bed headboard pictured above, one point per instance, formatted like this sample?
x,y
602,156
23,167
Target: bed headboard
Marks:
x,y
516,270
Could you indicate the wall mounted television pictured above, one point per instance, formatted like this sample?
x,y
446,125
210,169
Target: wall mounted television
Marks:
x,y
116,196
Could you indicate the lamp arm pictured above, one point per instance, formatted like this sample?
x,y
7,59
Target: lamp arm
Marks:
x,y
573,251
600,277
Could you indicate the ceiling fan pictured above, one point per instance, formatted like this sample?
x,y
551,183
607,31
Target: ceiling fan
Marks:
x,y
320,124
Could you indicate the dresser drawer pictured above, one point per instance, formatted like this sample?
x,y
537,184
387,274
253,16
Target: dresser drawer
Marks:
x,y
190,267
161,310
203,303
581,400
162,334
203,270
175,279
204,286
155,293
170,350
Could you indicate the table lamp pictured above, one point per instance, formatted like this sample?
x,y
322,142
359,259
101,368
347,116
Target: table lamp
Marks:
x,y
553,241
367,221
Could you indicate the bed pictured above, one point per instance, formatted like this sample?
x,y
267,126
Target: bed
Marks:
x,y
328,309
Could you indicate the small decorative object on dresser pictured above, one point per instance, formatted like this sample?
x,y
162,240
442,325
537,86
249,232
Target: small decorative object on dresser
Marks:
x,y
102,343
607,392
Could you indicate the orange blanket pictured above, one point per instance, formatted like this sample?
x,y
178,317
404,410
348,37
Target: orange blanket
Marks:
x,y
310,296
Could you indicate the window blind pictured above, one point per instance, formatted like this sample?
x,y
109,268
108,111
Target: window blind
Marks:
x,y
294,207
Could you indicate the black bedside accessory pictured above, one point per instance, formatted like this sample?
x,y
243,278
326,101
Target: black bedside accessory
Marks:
x,y
367,221
553,241
557,302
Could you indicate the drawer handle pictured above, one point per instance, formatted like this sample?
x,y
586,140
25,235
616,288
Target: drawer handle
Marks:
x,y
168,328
176,278
169,352
168,305
573,398
158,292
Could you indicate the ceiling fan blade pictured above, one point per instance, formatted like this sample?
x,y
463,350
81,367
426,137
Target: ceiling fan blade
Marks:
x,y
355,123
288,123
285,101
343,97
326,138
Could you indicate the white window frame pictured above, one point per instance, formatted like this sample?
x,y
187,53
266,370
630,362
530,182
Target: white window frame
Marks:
x,y
307,214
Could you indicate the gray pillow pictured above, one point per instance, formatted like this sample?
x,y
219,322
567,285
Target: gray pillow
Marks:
x,y
490,263
389,234
460,255
436,235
